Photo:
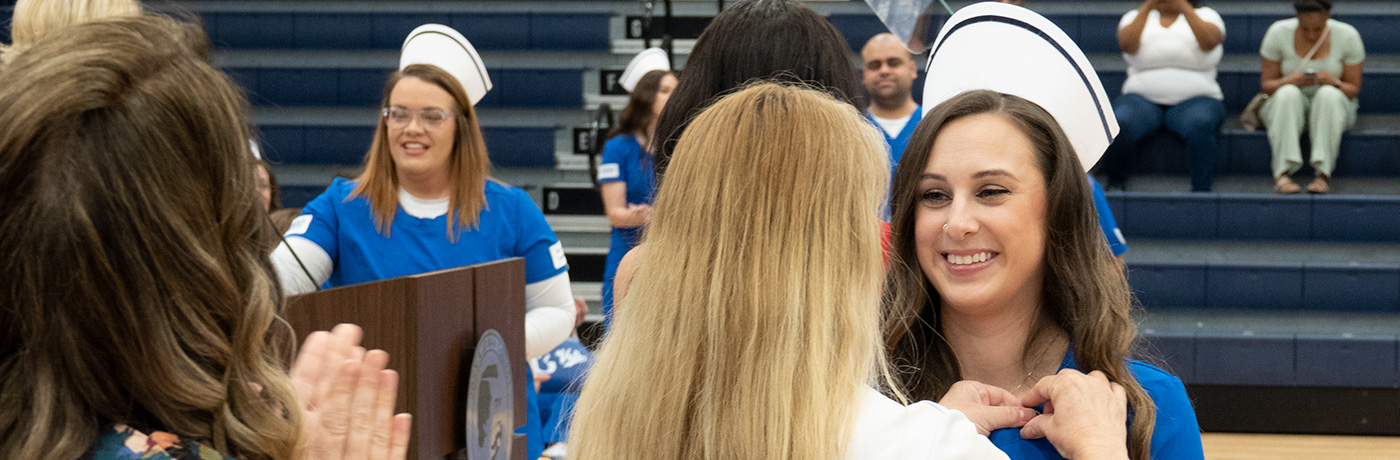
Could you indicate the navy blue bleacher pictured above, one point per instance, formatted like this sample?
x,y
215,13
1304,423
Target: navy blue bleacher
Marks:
x,y
1228,216
379,30
306,144
516,88
1242,152
1280,359
1271,286
353,85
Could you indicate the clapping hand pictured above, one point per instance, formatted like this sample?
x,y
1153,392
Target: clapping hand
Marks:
x,y
347,399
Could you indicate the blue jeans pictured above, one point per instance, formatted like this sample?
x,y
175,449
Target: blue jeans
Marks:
x,y
1196,120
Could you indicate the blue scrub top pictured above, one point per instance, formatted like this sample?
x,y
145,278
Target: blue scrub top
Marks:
x,y
1107,223
897,142
624,161
1176,435
510,225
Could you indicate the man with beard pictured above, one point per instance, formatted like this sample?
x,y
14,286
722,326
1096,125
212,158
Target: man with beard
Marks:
x,y
888,73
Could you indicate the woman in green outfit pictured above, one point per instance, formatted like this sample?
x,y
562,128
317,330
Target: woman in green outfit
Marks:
x,y
1312,70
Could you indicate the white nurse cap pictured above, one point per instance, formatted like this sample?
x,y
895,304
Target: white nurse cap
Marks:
x,y
1012,50
443,47
646,61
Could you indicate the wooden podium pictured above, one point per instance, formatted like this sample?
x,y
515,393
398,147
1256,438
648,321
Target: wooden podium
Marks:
x,y
429,324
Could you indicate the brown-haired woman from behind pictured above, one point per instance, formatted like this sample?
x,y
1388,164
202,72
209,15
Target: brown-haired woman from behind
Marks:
x,y
138,312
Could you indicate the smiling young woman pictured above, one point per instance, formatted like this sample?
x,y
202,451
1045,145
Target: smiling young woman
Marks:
x,y
1000,274
425,202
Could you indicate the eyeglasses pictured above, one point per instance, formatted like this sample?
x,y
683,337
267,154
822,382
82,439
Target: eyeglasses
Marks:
x,y
398,117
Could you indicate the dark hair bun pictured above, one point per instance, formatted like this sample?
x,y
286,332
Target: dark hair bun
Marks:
x,y
1312,6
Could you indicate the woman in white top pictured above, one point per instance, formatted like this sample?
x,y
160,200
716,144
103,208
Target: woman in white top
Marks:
x,y
1172,48
753,331
1311,66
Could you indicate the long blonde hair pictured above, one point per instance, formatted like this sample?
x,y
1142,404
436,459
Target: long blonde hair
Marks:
x,y
752,324
468,166
135,288
34,18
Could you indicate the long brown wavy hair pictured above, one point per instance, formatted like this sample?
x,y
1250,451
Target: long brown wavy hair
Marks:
x,y
750,328
469,165
1084,291
134,287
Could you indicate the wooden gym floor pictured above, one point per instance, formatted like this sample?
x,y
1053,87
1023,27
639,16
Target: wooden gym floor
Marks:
x,y
1234,446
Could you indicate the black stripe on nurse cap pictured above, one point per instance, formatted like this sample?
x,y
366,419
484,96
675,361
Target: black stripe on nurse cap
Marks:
x,y
1010,49
444,47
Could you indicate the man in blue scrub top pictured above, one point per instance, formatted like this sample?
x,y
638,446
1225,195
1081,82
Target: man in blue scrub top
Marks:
x,y
888,72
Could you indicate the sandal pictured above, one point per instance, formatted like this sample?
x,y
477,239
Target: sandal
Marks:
x,y
1319,185
1284,185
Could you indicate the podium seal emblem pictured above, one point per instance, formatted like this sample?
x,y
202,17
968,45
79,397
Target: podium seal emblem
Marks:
x,y
490,425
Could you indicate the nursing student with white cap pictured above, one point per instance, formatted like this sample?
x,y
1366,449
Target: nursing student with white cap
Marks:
x,y
627,174
426,202
998,269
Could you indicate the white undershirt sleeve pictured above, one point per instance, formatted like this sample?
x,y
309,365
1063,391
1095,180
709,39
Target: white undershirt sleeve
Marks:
x,y
293,279
549,314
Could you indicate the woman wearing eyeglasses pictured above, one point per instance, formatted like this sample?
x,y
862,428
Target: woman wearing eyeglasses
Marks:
x,y
425,201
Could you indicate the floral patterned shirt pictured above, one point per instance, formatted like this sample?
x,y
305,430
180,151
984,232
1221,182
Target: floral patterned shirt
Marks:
x,y
121,442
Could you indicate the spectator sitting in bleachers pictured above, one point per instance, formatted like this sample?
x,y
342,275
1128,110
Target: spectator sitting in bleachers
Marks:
x,y
139,315
626,177
35,18
1172,48
750,330
1323,58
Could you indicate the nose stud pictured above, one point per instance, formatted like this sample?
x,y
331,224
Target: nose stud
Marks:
x,y
945,227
